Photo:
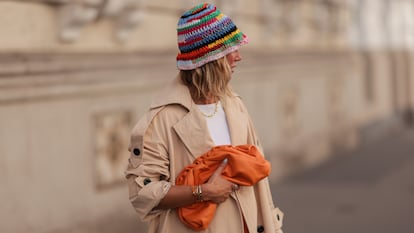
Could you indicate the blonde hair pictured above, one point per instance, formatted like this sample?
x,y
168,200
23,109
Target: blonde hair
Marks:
x,y
208,81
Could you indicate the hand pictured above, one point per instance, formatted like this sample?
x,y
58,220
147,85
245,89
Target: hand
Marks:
x,y
217,189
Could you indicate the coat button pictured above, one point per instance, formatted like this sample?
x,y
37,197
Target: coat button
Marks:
x,y
136,151
147,181
278,217
260,229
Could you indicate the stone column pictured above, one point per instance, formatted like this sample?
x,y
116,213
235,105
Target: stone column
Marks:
x,y
407,14
373,21
400,38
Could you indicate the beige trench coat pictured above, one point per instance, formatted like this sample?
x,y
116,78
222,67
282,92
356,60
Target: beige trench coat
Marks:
x,y
169,137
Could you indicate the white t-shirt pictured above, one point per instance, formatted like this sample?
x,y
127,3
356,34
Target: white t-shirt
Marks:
x,y
217,124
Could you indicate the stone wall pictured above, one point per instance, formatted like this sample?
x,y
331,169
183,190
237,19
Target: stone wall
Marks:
x,y
64,134
65,127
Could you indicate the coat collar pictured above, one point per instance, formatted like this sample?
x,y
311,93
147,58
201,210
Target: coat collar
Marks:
x,y
192,128
174,93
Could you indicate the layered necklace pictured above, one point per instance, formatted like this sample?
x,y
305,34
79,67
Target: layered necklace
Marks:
x,y
211,114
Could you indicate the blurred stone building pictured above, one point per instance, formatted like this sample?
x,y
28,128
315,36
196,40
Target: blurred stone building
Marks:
x,y
75,75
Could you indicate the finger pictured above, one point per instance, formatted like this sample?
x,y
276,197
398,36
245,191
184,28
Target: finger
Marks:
x,y
221,167
219,170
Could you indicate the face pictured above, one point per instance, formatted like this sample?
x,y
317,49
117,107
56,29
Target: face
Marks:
x,y
233,58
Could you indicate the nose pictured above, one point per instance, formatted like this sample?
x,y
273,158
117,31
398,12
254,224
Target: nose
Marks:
x,y
237,56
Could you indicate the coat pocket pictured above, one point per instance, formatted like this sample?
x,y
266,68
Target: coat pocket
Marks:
x,y
278,219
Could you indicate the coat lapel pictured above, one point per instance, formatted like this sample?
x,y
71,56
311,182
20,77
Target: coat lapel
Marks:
x,y
192,128
193,132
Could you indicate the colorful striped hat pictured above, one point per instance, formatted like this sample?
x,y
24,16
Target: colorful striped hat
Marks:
x,y
204,35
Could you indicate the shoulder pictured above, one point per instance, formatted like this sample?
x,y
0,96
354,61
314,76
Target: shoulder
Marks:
x,y
167,116
163,115
236,101
172,111
144,121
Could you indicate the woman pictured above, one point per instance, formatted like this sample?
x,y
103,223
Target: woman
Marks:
x,y
194,114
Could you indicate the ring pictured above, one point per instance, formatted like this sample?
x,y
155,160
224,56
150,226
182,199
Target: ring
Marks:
x,y
235,187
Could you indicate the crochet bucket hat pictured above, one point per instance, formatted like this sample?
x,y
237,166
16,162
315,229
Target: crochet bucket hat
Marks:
x,y
205,34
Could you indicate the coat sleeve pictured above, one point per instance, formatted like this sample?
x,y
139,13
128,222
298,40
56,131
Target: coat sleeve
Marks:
x,y
147,172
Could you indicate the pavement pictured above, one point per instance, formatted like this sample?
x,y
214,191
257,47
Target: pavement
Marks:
x,y
369,190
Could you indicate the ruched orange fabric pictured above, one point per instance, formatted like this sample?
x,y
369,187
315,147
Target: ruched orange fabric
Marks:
x,y
245,166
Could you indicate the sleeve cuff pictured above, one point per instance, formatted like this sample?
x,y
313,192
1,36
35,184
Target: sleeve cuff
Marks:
x,y
149,197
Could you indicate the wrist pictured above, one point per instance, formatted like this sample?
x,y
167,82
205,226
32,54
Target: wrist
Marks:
x,y
206,192
197,192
